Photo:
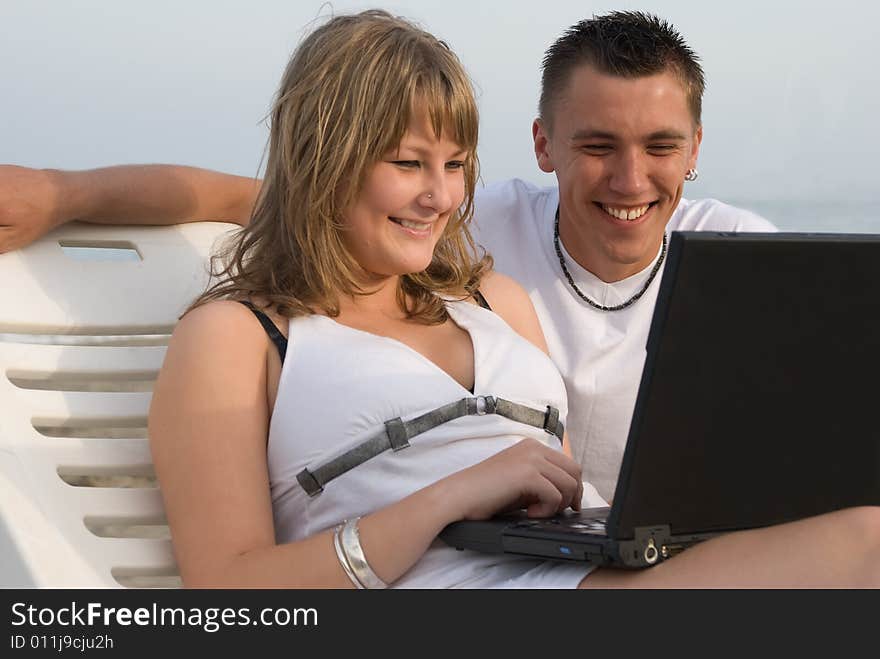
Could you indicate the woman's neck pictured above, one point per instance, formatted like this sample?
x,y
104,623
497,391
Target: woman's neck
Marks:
x,y
379,299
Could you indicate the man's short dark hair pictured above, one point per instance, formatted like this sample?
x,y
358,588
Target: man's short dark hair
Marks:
x,y
628,44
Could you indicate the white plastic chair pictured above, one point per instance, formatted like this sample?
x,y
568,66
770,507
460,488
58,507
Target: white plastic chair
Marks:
x,y
82,337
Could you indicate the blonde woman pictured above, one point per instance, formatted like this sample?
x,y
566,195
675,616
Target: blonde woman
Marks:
x,y
340,394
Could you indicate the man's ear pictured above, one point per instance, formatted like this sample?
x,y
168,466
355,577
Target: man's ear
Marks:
x,y
541,139
695,151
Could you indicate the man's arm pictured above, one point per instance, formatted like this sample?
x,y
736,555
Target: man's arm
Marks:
x,y
34,201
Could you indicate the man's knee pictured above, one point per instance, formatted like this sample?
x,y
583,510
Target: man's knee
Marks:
x,y
863,523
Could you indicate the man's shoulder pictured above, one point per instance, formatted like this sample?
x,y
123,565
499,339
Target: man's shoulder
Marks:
x,y
502,200
714,215
510,218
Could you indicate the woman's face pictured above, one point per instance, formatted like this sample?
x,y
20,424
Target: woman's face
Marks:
x,y
397,219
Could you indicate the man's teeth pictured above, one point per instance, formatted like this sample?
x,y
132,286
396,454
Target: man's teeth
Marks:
x,y
409,224
626,213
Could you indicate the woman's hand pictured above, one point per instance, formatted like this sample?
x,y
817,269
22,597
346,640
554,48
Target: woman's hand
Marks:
x,y
30,203
527,475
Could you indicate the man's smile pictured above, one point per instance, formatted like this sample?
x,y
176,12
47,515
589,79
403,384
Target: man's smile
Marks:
x,y
626,213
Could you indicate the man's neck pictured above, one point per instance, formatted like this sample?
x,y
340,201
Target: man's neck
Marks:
x,y
598,263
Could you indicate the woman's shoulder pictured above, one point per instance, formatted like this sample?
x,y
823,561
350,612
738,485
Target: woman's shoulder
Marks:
x,y
223,332
503,293
509,300
225,317
217,317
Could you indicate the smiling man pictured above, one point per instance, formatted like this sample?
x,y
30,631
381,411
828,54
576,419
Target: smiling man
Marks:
x,y
619,126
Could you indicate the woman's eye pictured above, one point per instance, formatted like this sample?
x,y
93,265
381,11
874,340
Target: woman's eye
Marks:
x,y
455,164
406,163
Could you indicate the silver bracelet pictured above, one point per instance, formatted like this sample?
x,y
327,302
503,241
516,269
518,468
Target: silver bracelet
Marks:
x,y
351,547
343,559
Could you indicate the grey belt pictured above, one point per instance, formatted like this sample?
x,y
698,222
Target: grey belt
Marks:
x,y
397,433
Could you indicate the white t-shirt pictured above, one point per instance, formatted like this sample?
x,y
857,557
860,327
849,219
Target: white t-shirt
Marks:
x,y
600,353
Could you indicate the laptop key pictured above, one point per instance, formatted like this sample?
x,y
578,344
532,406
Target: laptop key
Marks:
x,y
588,526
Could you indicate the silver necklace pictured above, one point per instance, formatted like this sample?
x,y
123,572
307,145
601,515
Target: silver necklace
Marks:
x,y
596,305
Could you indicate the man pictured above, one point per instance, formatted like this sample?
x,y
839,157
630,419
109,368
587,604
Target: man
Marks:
x,y
619,126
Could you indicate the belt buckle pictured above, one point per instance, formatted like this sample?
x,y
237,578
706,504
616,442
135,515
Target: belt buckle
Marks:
x,y
485,405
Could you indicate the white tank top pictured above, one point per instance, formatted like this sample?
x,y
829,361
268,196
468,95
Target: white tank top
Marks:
x,y
339,386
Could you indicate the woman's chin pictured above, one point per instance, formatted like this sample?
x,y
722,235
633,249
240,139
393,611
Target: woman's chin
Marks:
x,y
414,266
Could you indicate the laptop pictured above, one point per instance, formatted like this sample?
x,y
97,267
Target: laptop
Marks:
x,y
758,403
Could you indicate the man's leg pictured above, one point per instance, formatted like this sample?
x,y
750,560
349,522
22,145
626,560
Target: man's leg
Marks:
x,y
840,549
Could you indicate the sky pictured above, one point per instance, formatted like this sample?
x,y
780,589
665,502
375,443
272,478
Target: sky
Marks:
x,y
790,112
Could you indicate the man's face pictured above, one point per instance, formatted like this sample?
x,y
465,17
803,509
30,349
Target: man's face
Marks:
x,y
620,148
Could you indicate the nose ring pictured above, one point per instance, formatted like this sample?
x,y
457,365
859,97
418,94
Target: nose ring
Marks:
x,y
430,196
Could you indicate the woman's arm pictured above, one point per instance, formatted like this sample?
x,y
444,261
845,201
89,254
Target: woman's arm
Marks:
x,y
34,201
208,427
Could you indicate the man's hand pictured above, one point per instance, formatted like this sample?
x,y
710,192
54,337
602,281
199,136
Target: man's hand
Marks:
x,y
30,205
34,201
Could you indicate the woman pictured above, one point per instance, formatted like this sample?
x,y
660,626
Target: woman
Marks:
x,y
360,238
325,409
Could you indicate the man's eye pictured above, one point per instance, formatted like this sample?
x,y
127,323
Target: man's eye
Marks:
x,y
596,148
662,148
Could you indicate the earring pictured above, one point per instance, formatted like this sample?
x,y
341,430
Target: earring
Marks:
x,y
691,175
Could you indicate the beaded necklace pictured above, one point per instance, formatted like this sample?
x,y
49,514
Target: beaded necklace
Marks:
x,y
596,305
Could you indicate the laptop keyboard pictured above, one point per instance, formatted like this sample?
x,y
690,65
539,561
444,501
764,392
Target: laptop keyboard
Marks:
x,y
577,523
586,526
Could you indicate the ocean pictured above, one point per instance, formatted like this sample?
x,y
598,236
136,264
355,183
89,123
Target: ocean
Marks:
x,y
818,216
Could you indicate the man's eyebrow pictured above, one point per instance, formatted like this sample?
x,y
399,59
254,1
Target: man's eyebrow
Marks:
x,y
666,135
589,134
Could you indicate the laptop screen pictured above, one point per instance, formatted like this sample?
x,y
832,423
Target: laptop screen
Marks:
x,y
759,398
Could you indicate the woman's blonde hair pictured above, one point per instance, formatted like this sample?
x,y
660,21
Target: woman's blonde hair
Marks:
x,y
346,99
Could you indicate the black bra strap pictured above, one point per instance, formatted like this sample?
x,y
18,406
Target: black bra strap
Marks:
x,y
274,333
481,300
